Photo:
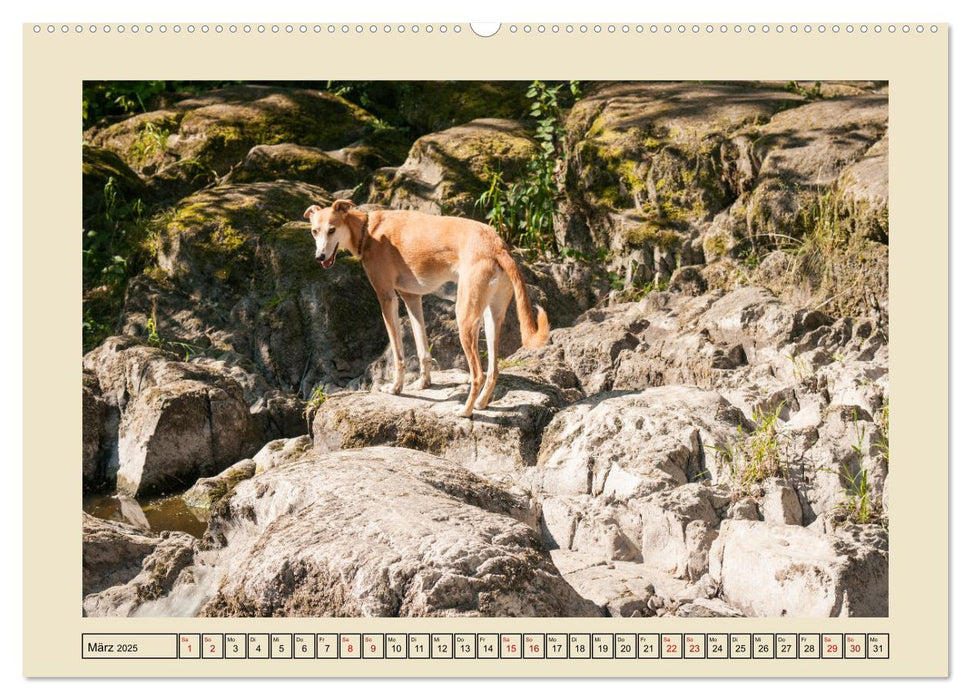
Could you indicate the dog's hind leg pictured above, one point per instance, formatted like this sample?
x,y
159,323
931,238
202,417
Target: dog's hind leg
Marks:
x,y
389,311
417,316
493,317
473,294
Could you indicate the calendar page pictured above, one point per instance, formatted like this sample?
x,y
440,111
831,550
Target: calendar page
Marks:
x,y
486,350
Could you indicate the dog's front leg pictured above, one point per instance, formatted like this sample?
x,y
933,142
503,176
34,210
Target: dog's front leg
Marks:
x,y
389,310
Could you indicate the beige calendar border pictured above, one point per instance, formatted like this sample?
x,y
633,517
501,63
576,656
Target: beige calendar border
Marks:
x,y
916,66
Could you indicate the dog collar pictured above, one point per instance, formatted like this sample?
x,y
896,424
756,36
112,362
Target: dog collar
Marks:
x,y
364,234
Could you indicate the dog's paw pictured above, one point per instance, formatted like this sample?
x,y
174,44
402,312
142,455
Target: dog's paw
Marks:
x,y
465,412
482,404
392,388
420,383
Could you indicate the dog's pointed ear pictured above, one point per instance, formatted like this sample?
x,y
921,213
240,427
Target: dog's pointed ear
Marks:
x,y
310,211
342,205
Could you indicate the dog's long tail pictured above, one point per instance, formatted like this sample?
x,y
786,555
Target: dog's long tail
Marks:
x,y
534,331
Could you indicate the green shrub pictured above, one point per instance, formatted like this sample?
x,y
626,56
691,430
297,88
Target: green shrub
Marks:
x,y
112,249
522,211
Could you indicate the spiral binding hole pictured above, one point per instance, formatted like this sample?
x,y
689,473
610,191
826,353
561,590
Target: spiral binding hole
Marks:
x,y
512,29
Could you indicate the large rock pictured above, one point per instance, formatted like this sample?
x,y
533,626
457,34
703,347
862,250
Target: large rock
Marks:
x,y
447,171
381,532
629,589
820,192
169,422
584,355
627,446
622,589
661,340
172,433
498,440
194,141
238,275
111,552
209,245
613,470
789,571
650,162
288,161
819,161
813,143
160,570
757,317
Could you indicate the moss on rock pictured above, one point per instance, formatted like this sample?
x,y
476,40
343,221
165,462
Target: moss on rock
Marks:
x,y
141,141
656,150
216,130
208,241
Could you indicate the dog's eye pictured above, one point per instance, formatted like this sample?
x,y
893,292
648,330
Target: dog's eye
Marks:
x,y
314,232
331,230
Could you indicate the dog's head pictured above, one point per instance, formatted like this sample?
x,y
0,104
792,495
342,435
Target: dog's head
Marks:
x,y
330,230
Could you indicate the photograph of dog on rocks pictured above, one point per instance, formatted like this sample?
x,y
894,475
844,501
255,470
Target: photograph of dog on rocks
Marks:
x,y
505,349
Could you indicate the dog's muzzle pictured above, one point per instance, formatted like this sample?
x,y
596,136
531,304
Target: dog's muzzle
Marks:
x,y
327,262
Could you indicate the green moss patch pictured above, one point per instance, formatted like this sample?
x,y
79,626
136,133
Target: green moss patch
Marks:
x,y
218,128
211,238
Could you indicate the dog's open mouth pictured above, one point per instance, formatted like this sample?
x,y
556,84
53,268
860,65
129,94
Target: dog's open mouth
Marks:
x,y
329,261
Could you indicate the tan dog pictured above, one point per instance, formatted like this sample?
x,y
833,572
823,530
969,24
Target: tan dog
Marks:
x,y
413,254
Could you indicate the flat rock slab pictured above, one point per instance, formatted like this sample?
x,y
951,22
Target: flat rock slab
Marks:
x,y
621,588
631,589
496,441
166,422
812,143
378,532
